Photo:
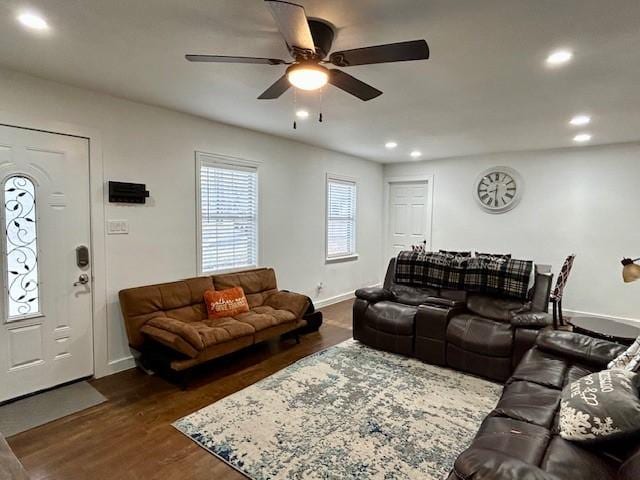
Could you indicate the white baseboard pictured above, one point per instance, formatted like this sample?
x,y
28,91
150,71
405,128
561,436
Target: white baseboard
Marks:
x,y
634,322
119,365
338,298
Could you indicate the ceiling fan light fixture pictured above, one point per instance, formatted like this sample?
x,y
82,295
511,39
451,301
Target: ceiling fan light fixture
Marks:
x,y
308,76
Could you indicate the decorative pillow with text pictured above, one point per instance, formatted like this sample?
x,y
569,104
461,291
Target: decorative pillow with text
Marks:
x,y
225,303
602,406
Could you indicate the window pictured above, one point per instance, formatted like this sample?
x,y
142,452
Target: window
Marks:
x,y
228,215
341,218
21,261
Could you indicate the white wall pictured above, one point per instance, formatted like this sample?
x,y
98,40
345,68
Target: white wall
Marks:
x,y
156,146
583,200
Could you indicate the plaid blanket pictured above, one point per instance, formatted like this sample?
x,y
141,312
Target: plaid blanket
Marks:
x,y
493,276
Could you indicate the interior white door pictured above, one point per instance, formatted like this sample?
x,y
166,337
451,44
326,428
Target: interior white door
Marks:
x,y
407,216
46,334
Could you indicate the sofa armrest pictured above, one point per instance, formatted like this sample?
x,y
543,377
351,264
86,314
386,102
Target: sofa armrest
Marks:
x,y
578,347
532,320
481,464
445,302
374,294
289,301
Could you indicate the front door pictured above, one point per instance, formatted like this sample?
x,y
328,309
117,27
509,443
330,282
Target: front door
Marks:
x,y
46,336
407,216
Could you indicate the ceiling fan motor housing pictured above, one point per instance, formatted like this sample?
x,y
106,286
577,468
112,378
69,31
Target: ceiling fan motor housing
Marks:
x,y
323,35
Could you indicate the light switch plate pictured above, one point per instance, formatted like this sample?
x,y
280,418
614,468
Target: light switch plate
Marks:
x,y
117,227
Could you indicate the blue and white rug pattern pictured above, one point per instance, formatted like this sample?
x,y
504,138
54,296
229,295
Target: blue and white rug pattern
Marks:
x,y
348,412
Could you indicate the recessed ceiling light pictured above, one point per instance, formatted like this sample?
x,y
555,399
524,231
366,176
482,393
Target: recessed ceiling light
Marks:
x,y
416,154
33,21
582,137
559,57
579,120
391,145
302,114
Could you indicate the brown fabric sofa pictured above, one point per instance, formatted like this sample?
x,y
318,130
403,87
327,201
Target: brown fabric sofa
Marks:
x,y
519,440
169,321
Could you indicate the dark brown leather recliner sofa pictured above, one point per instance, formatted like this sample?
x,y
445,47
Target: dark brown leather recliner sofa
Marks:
x,y
475,333
519,440
168,322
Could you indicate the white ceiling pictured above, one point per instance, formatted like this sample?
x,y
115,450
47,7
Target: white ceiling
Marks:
x,y
485,89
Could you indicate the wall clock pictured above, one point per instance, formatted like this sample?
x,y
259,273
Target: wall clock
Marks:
x,y
498,189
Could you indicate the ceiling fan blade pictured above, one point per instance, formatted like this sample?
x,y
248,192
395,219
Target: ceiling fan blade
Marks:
x,y
226,59
278,88
292,23
352,85
392,52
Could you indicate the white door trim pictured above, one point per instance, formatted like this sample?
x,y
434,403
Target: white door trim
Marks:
x,y
428,179
101,364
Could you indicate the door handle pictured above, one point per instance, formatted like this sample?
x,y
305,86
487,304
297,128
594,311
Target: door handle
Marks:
x,y
83,279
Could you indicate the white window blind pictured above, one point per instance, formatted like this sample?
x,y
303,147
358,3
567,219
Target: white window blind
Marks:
x,y
341,218
229,217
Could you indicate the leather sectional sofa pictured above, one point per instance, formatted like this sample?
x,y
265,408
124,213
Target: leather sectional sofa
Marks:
x,y
519,439
475,333
168,322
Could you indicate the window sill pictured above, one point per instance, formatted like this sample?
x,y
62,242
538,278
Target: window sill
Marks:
x,y
346,258
228,270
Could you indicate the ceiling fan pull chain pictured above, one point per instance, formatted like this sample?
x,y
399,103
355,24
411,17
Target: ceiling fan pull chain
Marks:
x,y
320,106
295,108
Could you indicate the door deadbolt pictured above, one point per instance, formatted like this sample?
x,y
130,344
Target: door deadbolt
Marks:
x,y
82,256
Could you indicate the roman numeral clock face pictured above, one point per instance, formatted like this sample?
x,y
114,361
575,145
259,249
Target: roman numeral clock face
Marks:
x,y
498,189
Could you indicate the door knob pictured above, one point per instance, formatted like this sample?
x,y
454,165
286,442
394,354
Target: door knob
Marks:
x,y
83,279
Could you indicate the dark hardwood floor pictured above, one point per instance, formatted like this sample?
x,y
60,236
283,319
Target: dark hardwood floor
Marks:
x,y
130,436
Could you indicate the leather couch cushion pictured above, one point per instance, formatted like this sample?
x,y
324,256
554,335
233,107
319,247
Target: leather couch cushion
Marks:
x,y
529,402
579,348
480,335
263,317
630,470
495,308
411,295
514,438
568,460
542,368
391,317
576,372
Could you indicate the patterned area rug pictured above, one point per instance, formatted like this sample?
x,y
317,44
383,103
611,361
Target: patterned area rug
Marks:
x,y
349,412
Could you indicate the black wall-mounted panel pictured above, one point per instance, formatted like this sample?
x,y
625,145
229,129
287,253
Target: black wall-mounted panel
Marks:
x,y
122,192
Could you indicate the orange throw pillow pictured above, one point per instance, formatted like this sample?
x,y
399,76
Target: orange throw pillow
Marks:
x,y
226,303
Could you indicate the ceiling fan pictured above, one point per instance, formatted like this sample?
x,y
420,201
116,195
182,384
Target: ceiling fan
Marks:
x,y
309,42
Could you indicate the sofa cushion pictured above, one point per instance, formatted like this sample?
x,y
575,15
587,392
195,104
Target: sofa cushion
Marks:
x,y
542,368
182,300
630,470
480,335
205,333
567,460
292,302
529,402
579,348
514,438
391,317
412,295
257,284
500,309
225,303
260,318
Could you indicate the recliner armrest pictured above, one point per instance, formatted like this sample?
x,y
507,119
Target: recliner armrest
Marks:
x,y
445,302
578,347
532,320
374,294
